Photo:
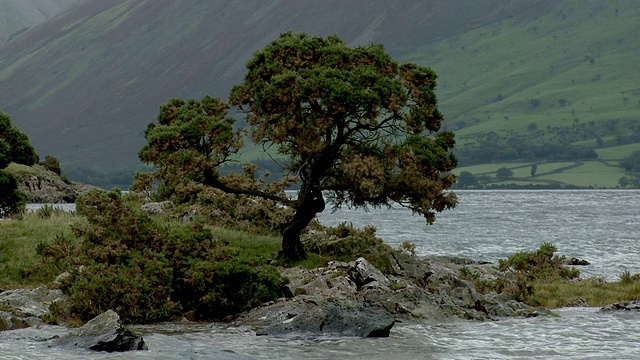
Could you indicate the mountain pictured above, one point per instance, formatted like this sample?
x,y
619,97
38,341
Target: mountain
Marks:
x,y
17,16
85,84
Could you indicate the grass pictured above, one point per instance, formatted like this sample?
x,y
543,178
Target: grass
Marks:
x,y
617,152
593,292
594,173
20,265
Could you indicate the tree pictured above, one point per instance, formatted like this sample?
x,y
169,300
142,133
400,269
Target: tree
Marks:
x,y
504,173
467,179
352,123
534,169
631,162
14,147
346,122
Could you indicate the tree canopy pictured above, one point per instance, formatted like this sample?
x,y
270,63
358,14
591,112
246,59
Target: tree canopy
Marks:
x,y
14,147
349,123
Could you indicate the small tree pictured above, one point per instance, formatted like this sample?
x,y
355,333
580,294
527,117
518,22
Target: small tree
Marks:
x,y
348,123
52,164
534,169
14,147
467,179
504,173
352,123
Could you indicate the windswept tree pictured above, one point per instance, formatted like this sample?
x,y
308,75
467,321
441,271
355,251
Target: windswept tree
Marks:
x,y
352,123
349,123
14,147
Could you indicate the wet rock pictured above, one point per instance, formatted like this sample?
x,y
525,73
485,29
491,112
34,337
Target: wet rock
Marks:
x,y
622,306
577,262
102,333
9,321
343,319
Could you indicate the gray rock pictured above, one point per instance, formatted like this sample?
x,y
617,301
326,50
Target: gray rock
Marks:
x,y
363,273
157,208
102,333
622,306
32,302
342,319
46,187
9,321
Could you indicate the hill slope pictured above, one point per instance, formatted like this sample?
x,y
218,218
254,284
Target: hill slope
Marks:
x,y
84,85
17,16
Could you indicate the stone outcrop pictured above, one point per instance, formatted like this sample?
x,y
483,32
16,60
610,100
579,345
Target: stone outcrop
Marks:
x,y
44,186
32,302
356,299
21,308
622,306
102,333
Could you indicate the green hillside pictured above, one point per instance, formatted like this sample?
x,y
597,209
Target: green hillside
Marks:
x,y
531,81
17,16
567,76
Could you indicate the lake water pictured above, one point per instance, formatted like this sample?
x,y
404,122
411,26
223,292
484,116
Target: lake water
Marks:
x,y
600,226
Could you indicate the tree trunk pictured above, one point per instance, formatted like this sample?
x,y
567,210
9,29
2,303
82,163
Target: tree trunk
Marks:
x,y
310,202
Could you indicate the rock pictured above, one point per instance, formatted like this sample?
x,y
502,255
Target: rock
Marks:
x,y
622,306
577,262
342,319
157,208
9,321
102,333
32,302
363,273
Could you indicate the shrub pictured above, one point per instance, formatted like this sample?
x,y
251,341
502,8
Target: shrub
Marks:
x,y
52,164
153,269
346,243
12,200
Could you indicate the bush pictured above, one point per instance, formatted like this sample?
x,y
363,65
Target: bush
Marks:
x,y
531,267
151,270
52,164
12,200
346,243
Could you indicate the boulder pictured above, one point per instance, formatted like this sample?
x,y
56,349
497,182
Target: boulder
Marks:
x,y
622,306
102,333
9,321
363,273
32,302
341,319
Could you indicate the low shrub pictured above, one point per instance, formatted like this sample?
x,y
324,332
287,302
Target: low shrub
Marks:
x,y
154,269
346,243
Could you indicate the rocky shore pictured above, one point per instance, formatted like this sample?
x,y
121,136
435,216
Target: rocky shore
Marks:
x,y
356,299
343,298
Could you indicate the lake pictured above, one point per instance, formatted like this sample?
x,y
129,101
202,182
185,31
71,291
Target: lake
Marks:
x,y
601,226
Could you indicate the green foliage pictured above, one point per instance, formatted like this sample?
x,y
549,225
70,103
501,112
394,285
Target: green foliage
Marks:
x,y
25,260
52,164
151,270
14,147
626,278
504,173
347,243
532,267
12,200
631,162
466,180
352,123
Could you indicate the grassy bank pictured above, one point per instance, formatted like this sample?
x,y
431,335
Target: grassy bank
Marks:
x,y
37,246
